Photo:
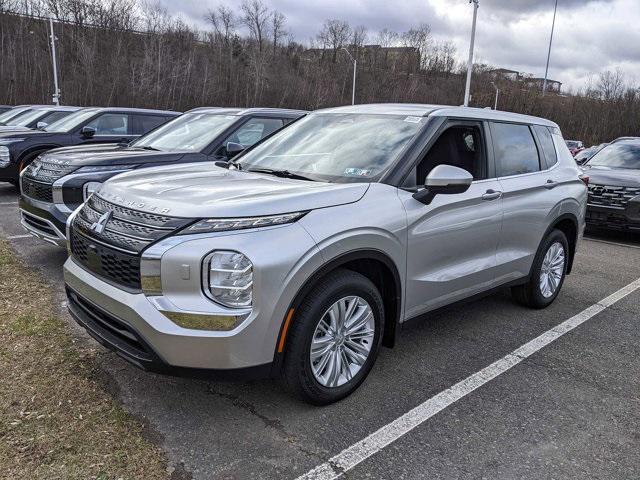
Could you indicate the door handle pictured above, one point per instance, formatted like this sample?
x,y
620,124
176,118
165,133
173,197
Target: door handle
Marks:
x,y
550,184
491,195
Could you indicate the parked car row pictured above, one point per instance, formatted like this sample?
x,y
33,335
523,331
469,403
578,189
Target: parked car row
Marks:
x,y
290,244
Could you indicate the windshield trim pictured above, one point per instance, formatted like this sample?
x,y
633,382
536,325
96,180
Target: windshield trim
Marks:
x,y
94,111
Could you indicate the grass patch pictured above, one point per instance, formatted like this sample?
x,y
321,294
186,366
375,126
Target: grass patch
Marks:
x,y
56,419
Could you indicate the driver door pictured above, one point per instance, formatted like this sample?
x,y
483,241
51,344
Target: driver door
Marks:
x,y
451,245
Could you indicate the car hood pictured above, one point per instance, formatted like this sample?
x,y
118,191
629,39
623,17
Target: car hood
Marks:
x,y
110,154
27,134
208,191
13,129
623,177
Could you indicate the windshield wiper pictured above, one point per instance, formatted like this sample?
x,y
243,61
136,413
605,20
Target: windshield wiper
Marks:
x,y
280,173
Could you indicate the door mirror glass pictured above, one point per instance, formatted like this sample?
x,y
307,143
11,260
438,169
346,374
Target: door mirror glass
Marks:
x,y
233,149
444,179
88,132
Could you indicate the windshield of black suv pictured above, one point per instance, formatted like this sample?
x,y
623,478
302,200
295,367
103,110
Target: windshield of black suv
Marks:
x,y
9,115
190,132
336,147
26,118
70,122
618,155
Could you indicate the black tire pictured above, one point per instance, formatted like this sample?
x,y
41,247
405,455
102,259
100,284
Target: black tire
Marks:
x,y
297,375
530,293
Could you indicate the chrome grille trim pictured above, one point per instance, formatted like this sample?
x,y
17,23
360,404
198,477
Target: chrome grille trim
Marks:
x,y
47,171
611,195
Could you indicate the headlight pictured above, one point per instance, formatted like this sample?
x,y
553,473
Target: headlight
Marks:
x,y
105,168
89,188
227,278
241,223
5,158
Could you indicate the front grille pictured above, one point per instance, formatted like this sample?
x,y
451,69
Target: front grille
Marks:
x,y
47,170
108,239
611,196
109,328
37,191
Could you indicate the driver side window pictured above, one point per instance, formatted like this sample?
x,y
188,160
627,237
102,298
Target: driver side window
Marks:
x,y
251,132
111,124
459,146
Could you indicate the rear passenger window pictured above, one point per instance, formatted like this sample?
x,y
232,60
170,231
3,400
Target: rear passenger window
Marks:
x,y
145,123
514,149
546,142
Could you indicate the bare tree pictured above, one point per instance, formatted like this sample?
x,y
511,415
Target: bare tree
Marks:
x,y
256,19
334,35
611,84
277,28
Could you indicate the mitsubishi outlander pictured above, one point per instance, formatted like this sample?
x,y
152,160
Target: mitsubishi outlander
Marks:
x,y
308,252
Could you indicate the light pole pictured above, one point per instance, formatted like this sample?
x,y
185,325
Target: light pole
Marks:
x,y
546,70
467,88
355,66
56,90
495,105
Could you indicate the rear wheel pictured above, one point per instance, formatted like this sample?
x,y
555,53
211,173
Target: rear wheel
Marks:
x,y
334,339
547,274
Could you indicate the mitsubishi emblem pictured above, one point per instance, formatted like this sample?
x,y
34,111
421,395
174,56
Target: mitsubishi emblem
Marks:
x,y
99,226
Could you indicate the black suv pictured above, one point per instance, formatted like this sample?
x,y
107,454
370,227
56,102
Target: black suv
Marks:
x,y
86,126
614,186
59,181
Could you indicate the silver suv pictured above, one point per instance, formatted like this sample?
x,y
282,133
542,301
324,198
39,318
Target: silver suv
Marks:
x,y
312,248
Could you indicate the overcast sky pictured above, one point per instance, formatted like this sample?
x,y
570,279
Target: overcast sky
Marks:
x,y
590,36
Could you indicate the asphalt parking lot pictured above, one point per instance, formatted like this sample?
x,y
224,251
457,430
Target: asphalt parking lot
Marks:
x,y
569,410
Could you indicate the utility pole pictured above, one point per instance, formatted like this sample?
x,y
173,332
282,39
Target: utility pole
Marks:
x,y
56,90
546,70
353,88
467,88
495,105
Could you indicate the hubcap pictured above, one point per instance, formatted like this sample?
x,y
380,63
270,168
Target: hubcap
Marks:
x,y
342,341
552,270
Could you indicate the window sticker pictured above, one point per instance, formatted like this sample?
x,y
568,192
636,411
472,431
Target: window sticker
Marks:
x,y
357,172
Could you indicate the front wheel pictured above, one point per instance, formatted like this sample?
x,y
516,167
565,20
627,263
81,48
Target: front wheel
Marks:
x,y
334,339
547,274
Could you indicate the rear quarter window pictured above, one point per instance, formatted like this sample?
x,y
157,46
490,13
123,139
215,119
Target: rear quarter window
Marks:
x,y
546,143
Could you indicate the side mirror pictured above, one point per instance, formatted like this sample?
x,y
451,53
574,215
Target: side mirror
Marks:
x,y
88,132
233,149
41,125
444,179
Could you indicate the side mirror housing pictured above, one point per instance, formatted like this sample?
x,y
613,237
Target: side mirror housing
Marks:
x,y
444,180
41,125
233,149
88,132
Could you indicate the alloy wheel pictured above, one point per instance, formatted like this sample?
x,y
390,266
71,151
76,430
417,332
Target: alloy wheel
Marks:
x,y
552,270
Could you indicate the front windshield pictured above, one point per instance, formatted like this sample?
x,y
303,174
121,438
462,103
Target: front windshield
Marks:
x,y
190,132
70,122
618,155
336,147
26,118
10,114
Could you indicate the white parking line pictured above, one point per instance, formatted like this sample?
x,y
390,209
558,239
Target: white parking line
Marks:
x,y
610,243
358,452
8,203
16,237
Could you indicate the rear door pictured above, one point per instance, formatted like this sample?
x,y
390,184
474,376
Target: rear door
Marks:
x,y
524,164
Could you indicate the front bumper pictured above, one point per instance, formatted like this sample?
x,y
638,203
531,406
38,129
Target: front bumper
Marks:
x,y
139,328
43,220
614,218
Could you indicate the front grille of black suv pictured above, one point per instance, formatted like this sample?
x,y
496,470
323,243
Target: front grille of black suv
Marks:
x,y
47,171
37,191
113,252
611,196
